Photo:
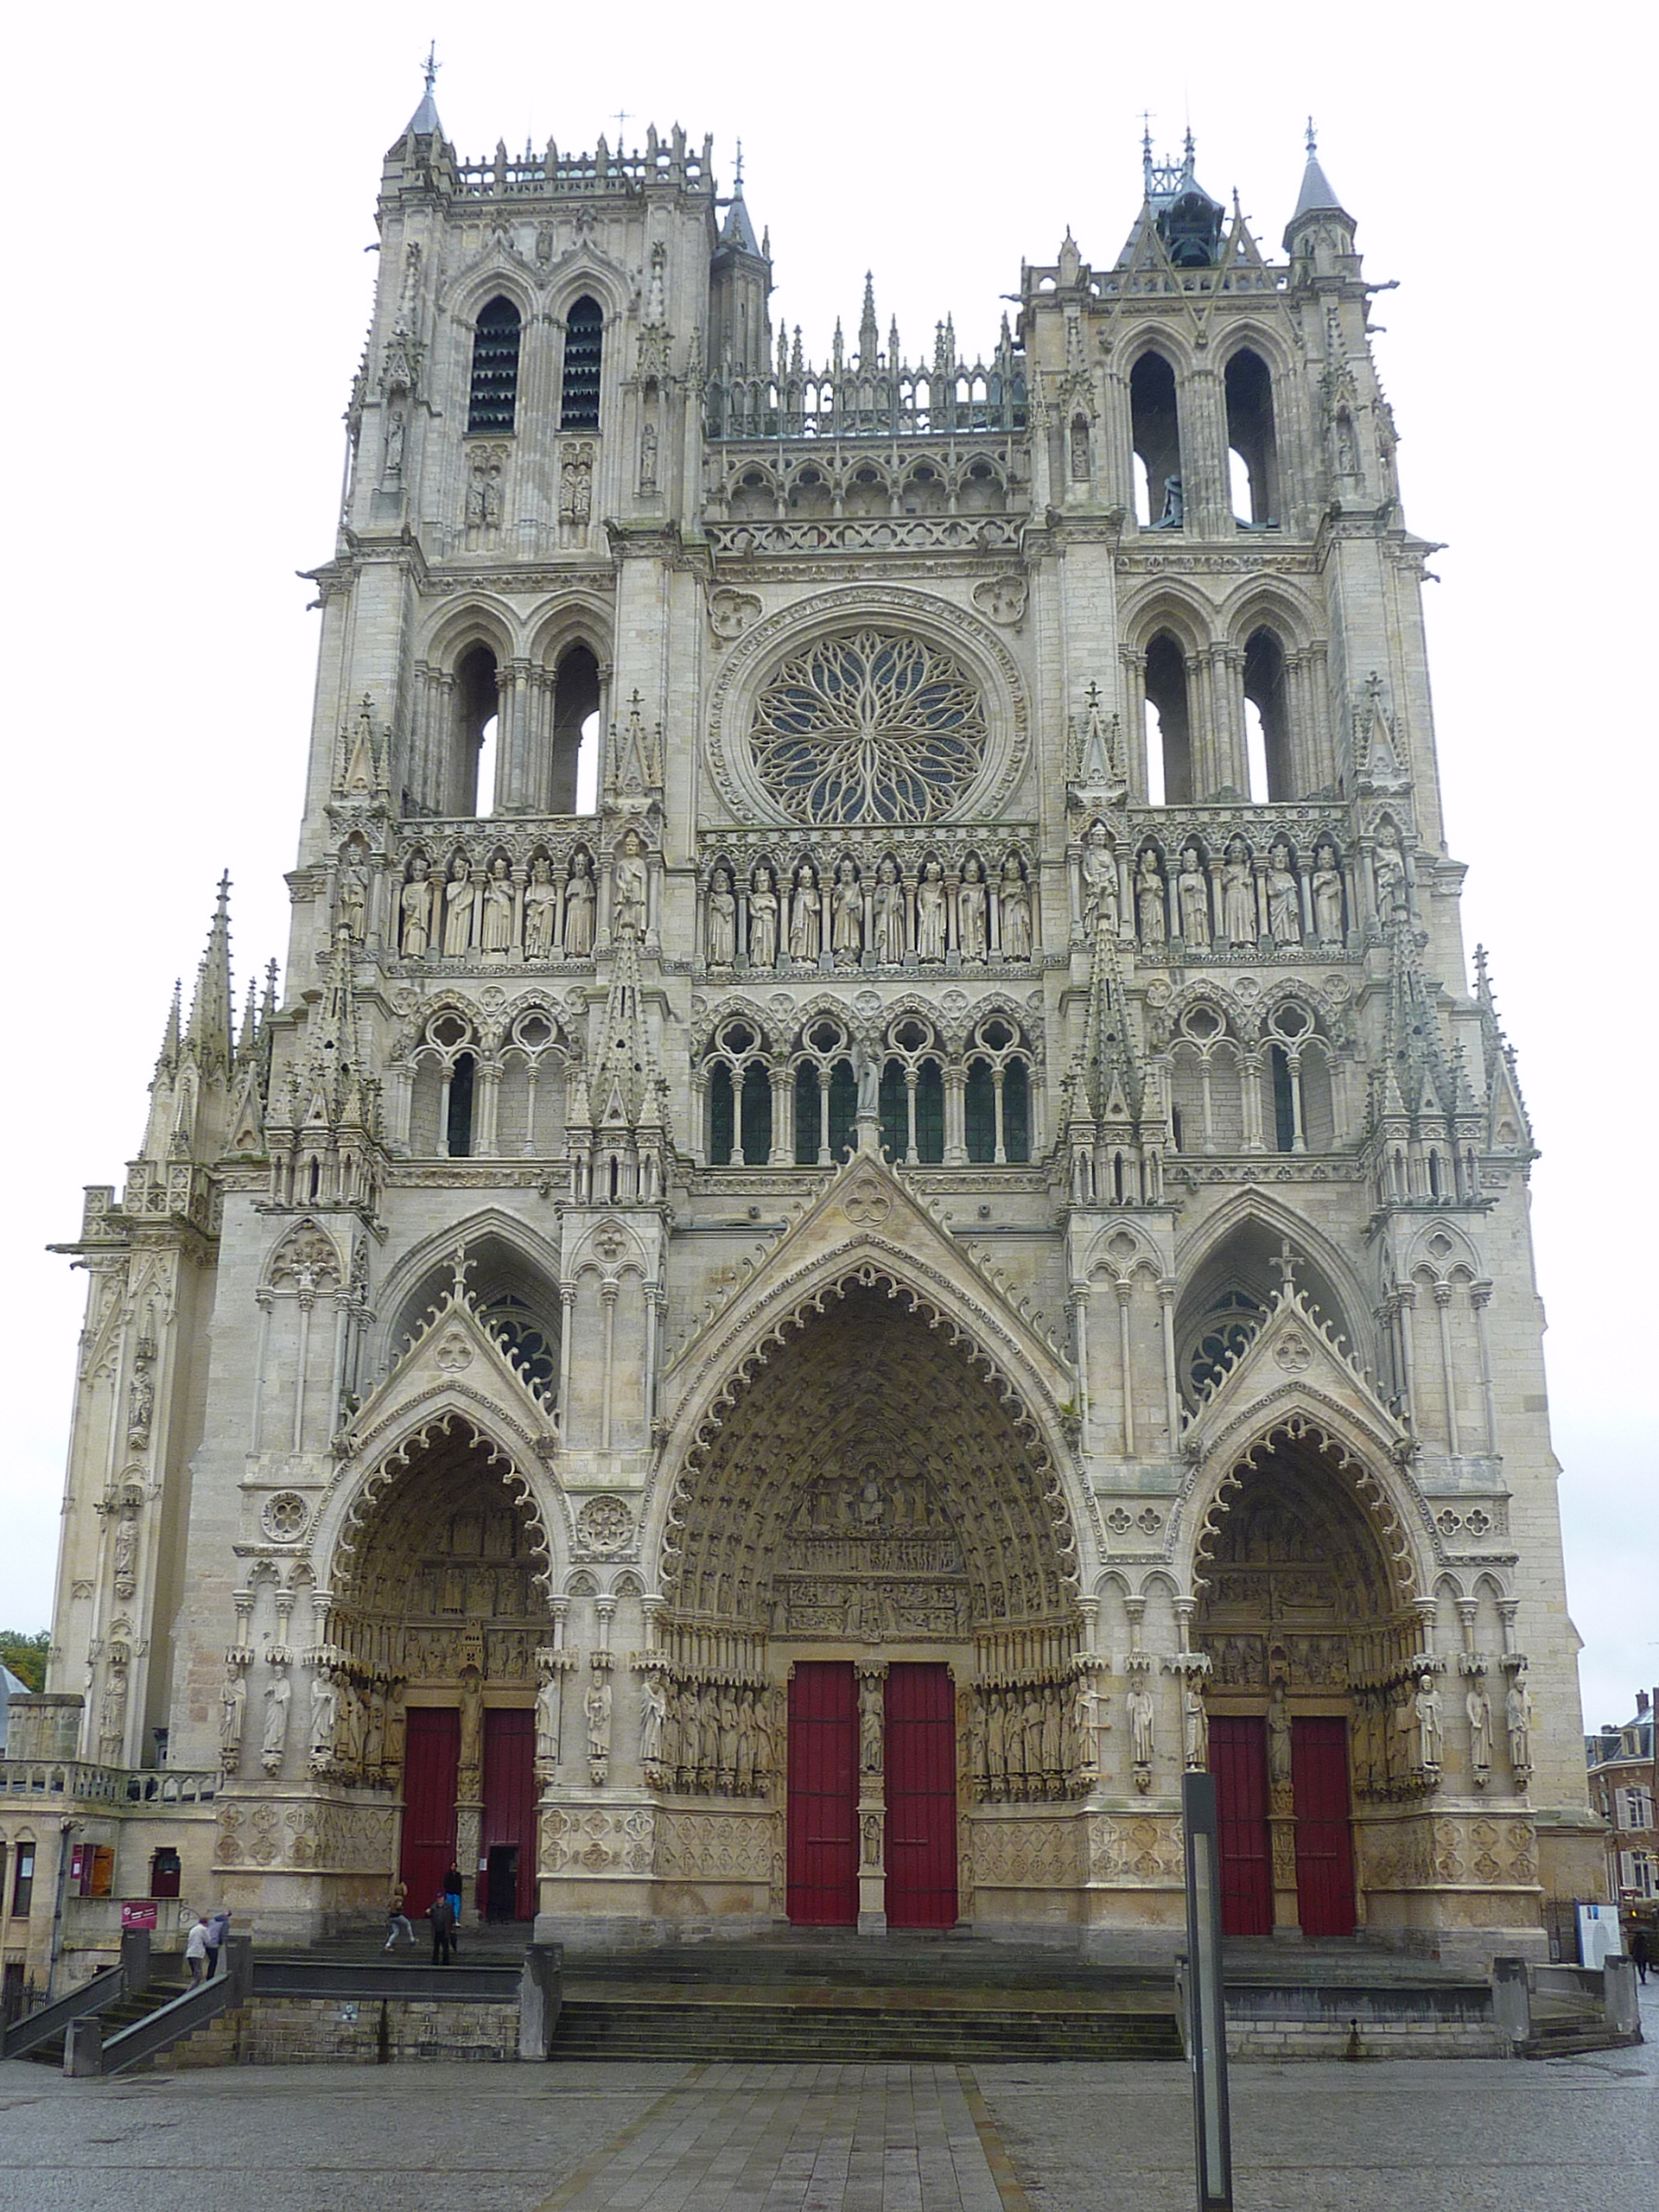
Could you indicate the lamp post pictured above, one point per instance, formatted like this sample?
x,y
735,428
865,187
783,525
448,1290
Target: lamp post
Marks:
x,y
1206,2016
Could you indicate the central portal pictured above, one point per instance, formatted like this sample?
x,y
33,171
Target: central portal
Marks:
x,y
838,1788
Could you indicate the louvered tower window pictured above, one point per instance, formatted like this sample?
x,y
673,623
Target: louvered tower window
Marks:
x,y
584,339
495,369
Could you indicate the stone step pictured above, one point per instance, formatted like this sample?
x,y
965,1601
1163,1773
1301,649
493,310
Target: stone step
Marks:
x,y
755,2032
115,2016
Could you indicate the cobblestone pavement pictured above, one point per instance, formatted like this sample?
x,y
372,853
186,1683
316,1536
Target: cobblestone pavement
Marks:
x,y
1446,2135
1392,2135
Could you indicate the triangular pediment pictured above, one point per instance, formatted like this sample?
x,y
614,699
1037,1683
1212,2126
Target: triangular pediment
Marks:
x,y
1292,1359
455,1362
866,1210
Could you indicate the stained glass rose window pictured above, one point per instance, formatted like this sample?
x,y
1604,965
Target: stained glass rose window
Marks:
x,y
869,726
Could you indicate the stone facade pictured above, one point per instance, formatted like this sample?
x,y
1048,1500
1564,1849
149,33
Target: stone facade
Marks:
x,y
976,1147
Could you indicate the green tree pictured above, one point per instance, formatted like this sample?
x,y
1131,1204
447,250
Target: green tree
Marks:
x,y
25,1655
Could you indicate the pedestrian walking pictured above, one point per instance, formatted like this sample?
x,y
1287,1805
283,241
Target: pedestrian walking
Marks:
x,y
1641,1952
196,1951
218,1929
442,1914
452,1890
397,1917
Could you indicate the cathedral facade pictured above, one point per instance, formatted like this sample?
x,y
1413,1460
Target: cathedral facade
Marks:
x,y
878,1212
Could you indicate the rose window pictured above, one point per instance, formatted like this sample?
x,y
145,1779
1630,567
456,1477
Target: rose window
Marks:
x,y
868,726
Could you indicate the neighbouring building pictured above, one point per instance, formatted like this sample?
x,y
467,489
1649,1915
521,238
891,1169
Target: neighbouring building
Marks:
x,y
1625,1790
879,1208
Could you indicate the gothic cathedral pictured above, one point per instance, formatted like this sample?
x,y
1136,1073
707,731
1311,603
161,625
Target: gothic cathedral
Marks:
x,y
878,1212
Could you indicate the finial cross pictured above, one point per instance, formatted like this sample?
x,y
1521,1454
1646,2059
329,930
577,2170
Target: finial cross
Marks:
x,y
431,64
622,118
1312,139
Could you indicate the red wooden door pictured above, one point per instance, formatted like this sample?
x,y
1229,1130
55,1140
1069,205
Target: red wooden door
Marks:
x,y
510,1800
824,1795
431,1758
921,1777
1238,1760
1325,1849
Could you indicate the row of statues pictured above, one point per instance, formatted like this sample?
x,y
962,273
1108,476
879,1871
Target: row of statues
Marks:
x,y
354,1727
710,1739
851,914
1034,1741
1239,901
500,910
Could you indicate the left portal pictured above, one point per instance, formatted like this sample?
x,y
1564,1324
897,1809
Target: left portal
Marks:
x,y
824,1795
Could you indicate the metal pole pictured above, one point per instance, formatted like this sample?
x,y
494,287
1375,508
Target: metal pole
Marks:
x,y
1206,2026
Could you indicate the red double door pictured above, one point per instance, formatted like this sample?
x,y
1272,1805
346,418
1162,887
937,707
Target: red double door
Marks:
x,y
1324,1853
505,1886
920,1761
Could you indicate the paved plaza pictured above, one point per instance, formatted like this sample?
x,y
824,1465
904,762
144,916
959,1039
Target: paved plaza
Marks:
x,y
1567,2135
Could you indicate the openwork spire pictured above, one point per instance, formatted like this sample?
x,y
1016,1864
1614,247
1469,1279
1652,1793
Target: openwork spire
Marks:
x,y
211,1011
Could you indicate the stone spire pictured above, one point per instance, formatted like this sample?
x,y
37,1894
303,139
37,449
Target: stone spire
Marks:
x,y
1316,196
1508,1127
1111,1080
869,342
737,231
623,1069
324,1134
212,1009
424,122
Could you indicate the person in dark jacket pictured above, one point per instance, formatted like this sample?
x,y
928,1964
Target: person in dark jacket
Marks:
x,y
442,1914
1641,1952
452,1890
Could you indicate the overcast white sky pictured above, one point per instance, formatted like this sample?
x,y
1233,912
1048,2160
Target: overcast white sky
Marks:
x,y
193,190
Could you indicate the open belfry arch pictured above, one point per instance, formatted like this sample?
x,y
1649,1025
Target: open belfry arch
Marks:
x,y
877,1208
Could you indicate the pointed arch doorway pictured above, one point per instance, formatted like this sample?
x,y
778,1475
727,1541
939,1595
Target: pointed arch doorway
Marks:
x,y
442,1598
875,1555
1309,1635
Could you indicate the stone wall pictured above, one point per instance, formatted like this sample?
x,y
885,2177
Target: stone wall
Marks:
x,y
309,2030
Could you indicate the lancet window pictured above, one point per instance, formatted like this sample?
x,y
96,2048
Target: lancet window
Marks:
x,y
446,1069
826,1096
737,1089
1169,727
1267,722
584,345
911,1098
1252,447
493,399
1155,429
996,1096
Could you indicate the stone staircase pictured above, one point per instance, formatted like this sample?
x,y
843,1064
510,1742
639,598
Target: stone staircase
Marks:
x,y
123,2013
851,1999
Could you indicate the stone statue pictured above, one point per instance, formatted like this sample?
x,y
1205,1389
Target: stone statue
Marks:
x,y
846,913
1517,1716
1099,874
1278,1739
1284,910
1149,899
763,919
112,1710
126,1555
888,915
1192,897
596,1708
972,898
745,1769
930,912
1427,1711
1142,1736
497,935
579,907
1195,1726
458,896
721,917
628,888
472,1721
541,910
391,1748
547,1723
354,902
325,1713
1174,514
232,1708
1327,896
415,905
1390,873
727,1737
866,1068
869,1725
1015,900
1478,1706
805,914
395,431
653,1716
1239,916
279,1692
